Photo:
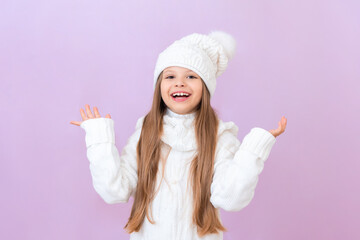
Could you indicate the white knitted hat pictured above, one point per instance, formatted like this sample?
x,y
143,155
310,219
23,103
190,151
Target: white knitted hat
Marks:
x,y
207,55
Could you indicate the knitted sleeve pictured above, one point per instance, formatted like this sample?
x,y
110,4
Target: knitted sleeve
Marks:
x,y
237,167
114,176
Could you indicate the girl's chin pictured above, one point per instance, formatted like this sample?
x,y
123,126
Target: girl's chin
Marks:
x,y
181,108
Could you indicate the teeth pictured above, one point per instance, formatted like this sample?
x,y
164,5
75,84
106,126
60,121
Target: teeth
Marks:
x,y
180,94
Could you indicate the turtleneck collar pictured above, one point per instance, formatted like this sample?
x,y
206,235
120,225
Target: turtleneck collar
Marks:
x,y
179,130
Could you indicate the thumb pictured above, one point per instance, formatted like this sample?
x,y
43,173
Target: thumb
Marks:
x,y
108,115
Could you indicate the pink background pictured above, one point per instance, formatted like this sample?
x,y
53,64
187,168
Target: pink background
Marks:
x,y
300,59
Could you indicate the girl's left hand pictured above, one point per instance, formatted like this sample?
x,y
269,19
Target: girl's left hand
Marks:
x,y
280,129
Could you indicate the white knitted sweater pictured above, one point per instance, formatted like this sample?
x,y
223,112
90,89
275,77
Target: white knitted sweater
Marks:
x,y
236,170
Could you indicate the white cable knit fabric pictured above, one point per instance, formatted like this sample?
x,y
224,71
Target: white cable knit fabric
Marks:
x,y
207,55
237,168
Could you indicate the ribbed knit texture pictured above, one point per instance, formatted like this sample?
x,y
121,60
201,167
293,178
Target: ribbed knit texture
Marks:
x,y
102,131
237,167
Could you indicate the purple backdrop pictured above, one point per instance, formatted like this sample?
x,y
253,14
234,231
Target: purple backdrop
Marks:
x,y
300,59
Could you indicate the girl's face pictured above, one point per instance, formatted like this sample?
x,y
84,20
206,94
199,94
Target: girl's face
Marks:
x,y
181,80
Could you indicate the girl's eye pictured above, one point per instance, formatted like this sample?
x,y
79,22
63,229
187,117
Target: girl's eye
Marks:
x,y
173,76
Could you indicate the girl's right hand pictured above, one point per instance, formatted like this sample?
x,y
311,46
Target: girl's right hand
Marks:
x,y
88,115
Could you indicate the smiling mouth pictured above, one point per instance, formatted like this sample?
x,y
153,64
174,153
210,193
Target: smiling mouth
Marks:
x,y
179,98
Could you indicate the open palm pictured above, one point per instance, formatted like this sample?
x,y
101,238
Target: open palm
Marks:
x,y
88,115
281,127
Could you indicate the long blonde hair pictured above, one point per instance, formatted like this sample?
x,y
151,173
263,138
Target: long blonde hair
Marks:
x,y
205,216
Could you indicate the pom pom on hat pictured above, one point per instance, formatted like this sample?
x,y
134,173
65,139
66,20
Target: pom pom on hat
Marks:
x,y
226,40
207,55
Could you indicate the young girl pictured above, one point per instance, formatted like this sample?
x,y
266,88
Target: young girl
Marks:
x,y
182,163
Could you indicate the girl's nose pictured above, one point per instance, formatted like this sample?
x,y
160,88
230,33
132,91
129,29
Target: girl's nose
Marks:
x,y
179,82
